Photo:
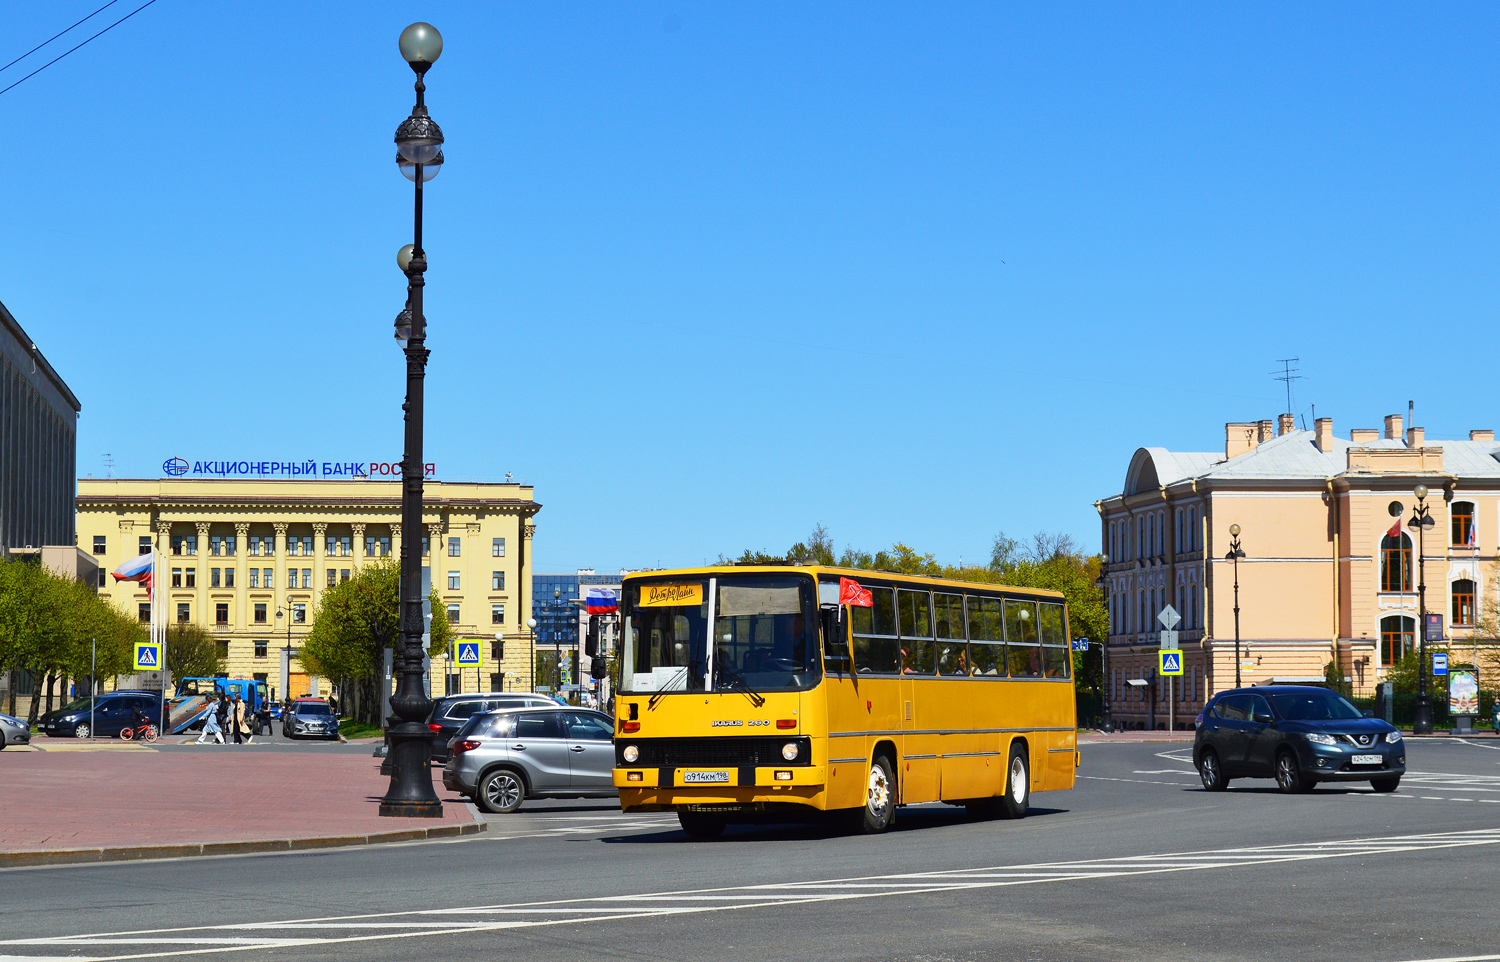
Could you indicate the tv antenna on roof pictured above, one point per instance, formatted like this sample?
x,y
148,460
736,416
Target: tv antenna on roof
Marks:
x,y
109,465
1287,375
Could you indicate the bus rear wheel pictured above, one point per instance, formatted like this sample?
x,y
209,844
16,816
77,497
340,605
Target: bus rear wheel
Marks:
x,y
1017,795
879,810
701,827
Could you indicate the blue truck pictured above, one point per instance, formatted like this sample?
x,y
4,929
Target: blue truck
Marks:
x,y
196,697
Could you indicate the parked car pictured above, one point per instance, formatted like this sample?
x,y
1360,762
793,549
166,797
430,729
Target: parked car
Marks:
x,y
1298,736
112,712
13,731
450,712
312,717
506,757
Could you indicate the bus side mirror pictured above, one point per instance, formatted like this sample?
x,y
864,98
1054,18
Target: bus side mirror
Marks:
x,y
836,637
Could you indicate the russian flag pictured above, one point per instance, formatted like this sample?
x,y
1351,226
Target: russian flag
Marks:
x,y
601,601
141,568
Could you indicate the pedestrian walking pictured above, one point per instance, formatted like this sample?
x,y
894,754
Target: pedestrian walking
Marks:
x,y
212,727
241,721
222,713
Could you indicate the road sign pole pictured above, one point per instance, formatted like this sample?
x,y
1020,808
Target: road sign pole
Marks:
x,y
1171,704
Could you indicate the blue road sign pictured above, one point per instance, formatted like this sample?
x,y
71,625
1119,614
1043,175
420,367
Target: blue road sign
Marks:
x,y
1080,644
1439,663
147,656
1171,661
468,654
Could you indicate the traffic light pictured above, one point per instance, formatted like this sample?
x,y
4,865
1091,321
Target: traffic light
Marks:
x,y
591,639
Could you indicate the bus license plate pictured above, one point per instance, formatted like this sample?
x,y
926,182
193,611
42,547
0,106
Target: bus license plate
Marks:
x,y
1367,759
689,778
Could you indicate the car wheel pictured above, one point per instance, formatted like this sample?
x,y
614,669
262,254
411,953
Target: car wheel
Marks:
x,y
879,810
1211,772
501,792
1017,797
1288,775
1385,784
2,741
701,827
82,730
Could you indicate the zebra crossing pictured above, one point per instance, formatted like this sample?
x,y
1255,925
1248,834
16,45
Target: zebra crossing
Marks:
x,y
426,923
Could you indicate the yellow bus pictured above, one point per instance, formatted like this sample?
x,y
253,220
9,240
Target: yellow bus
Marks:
x,y
756,692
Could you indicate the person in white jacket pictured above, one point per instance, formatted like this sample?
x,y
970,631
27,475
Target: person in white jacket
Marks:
x,y
211,727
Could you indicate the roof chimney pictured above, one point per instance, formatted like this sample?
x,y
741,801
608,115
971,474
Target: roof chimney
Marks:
x,y
1263,430
1393,427
1323,434
1285,423
1483,434
1414,437
1363,435
1240,437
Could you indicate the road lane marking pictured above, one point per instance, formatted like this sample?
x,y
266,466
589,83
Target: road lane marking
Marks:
x,y
156,943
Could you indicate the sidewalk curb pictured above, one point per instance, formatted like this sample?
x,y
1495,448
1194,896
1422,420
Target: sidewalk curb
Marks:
x,y
122,853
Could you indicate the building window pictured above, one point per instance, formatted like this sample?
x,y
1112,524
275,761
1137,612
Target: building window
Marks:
x,y
103,576
497,614
176,577
221,613
299,614
453,581
1463,602
229,577
497,547
307,543
331,545
215,545
455,547
145,543
453,614
213,577
1398,638
307,577
262,546
1395,563
260,648
260,610
343,575
497,652
190,577
267,578
385,546
333,577
143,612
369,546
98,544
346,545
255,577
424,546
222,644
1462,524
497,581
184,544
184,611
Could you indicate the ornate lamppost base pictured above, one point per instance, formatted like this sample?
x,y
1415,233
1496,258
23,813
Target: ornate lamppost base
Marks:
x,y
410,797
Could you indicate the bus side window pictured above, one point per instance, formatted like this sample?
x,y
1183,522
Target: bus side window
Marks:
x,y
1055,651
953,654
916,632
1021,640
874,628
836,639
986,637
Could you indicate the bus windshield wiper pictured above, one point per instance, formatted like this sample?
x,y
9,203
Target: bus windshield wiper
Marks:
x,y
729,674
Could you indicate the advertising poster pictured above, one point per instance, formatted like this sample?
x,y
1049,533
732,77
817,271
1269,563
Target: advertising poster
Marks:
x,y
1463,692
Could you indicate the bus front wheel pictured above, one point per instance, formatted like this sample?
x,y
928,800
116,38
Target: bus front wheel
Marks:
x,y
1017,795
879,810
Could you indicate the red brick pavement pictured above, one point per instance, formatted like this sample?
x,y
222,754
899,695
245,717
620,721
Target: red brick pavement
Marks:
x,y
65,800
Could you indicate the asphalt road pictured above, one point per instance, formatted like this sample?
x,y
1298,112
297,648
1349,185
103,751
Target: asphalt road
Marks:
x,y
1136,862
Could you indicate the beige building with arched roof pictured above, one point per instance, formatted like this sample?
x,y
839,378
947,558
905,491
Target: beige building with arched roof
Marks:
x,y
1323,576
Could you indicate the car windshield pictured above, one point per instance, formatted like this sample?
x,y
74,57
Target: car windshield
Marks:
x,y
764,631
81,704
313,710
1314,706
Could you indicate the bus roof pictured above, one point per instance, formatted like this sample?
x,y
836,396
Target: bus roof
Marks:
x,y
853,573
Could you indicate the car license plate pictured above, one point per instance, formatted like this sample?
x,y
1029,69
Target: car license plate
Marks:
x,y
1367,759
689,778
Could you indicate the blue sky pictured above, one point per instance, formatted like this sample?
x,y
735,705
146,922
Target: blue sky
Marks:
x,y
710,274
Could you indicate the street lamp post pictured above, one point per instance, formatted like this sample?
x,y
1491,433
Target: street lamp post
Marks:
x,y
419,157
1422,520
285,611
1234,555
531,668
1104,679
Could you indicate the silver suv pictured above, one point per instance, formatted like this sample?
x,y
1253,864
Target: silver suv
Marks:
x,y
501,758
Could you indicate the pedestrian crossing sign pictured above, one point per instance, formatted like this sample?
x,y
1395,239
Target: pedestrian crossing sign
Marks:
x,y
468,654
1171,661
147,656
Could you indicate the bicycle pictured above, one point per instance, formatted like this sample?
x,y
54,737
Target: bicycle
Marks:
x,y
146,731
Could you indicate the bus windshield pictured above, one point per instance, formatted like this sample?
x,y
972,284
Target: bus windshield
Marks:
x,y
763,634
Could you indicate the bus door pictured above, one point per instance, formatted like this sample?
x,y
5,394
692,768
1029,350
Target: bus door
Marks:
x,y
921,764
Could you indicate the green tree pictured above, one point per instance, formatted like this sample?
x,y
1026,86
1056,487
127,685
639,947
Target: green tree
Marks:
x,y
193,652
355,622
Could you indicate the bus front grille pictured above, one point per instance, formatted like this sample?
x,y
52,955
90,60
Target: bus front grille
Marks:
x,y
711,752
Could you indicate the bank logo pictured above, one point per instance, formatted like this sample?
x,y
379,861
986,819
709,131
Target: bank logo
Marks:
x,y
174,467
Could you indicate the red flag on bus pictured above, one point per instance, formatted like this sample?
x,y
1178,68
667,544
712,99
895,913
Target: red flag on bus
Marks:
x,y
850,593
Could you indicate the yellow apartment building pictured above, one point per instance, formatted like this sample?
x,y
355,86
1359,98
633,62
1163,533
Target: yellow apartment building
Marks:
x,y
1326,574
249,559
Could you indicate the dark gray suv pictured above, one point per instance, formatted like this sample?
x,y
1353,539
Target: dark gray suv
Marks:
x,y
452,712
502,758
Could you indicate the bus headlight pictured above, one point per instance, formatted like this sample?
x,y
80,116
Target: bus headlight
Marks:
x,y
630,754
789,751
